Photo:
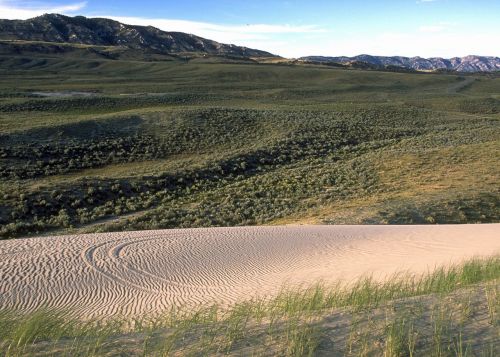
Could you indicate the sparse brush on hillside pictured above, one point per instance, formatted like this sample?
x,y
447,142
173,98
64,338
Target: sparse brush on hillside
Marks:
x,y
452,311
139,145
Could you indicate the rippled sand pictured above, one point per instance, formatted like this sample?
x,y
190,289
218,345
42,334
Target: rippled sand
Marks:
x,y
135,273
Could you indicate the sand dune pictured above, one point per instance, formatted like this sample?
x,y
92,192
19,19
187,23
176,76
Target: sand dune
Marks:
x,y
133,273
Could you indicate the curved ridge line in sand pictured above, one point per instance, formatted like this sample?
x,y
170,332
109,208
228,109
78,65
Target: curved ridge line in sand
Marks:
x,y
87,256
115,255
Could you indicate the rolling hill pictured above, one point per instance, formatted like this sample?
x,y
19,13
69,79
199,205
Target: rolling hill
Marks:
x,y
108,145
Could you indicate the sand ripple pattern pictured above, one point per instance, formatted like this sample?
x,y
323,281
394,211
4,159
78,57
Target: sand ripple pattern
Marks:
x,y
136,273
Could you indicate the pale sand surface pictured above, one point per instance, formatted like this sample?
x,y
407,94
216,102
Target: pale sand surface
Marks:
x,y
136,273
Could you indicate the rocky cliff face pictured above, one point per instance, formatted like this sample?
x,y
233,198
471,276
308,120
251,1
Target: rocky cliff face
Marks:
x,y
464,64
106,32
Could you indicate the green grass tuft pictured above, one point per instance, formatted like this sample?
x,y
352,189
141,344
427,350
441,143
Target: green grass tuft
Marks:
x,y
452,311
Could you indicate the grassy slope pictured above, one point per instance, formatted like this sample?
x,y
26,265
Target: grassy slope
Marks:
x,y
175,144
452,311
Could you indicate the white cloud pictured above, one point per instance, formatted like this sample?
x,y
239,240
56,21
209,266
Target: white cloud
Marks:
x,y
440,27
22,10
432,28
222,33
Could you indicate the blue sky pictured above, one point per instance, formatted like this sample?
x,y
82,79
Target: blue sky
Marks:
x,y
292,28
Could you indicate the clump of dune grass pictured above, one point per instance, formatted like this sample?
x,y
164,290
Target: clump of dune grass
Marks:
x,y
451,311
368,292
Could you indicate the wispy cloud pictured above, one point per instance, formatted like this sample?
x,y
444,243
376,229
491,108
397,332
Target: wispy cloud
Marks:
x,y
24,10
262,36
432,28
219,32
435,28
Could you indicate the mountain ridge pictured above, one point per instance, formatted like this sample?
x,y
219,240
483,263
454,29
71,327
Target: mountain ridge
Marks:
x,y
51,33
58,28
469,63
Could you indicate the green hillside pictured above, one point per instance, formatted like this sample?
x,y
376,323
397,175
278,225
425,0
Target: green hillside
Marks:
x,y
102,145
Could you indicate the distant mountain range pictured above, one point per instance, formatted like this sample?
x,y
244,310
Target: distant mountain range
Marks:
x,y
464,64
106,32
80,36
